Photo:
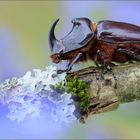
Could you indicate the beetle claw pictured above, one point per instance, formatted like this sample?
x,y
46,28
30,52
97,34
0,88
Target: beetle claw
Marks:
x,y
60,71
69,69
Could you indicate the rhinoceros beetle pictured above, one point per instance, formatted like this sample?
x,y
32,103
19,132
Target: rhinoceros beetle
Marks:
x,y
102,42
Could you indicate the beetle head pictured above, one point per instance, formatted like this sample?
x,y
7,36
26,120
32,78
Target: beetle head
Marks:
x,y
80,34
57,57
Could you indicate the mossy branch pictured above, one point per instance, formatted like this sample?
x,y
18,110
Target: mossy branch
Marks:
x,y
92,91
104,96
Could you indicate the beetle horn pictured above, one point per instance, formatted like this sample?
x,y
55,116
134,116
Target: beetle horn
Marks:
x,y
52,38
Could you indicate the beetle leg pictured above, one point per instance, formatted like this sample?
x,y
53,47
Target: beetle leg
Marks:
x,y
104,61
107,67
70,65
74,60
130,53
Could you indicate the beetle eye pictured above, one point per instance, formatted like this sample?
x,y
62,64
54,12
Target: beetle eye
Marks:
x,y
75,22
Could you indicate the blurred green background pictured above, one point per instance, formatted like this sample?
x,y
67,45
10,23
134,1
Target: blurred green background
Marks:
x,y
24,27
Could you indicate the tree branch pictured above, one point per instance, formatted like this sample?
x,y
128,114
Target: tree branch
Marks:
x,y
104,96
106,91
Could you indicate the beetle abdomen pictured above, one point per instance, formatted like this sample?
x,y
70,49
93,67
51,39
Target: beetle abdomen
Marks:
x,y
117,31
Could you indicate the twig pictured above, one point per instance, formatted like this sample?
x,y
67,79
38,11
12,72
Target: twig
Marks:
x,y
104,97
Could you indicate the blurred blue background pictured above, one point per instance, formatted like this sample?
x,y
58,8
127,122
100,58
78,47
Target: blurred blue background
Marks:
x,y
24,27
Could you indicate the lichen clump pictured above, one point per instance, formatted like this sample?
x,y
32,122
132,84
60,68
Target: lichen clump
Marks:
x,y
31,96
45,92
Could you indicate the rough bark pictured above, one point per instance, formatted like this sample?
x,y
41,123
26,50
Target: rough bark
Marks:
x,y
109,90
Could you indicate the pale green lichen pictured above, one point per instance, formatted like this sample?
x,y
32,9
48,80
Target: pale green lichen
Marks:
x,y
31,96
